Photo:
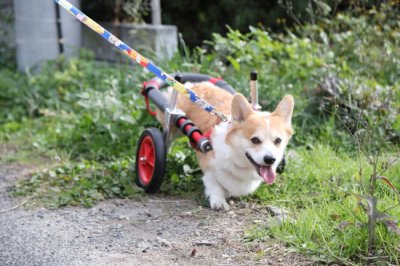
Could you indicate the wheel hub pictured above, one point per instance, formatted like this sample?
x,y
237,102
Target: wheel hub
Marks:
x,y
146,160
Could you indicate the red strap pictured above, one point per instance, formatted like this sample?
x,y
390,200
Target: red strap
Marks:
x,y
146,99
208,134
151,112
214,80
144,86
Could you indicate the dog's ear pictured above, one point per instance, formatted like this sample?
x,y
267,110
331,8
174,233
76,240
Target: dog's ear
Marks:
x,y
285,109
240,108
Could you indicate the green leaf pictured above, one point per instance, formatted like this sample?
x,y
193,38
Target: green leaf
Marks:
x,y
234,63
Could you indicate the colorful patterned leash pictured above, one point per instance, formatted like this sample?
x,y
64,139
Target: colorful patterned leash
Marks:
x,y
138,58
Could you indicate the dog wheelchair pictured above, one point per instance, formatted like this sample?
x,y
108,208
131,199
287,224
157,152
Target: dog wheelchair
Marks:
x,y
153,144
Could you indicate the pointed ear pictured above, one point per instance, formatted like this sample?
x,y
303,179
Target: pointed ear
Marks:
x,y
285,109
240,108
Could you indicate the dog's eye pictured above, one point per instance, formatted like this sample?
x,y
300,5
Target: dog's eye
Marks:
x,y
277,141
255,140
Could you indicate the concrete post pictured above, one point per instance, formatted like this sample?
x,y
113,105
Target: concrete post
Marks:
x,y
155,12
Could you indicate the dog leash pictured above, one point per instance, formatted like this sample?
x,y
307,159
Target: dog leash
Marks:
x,y
141,60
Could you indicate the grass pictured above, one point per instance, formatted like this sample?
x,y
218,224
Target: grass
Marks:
x,y
86,169
80,183
319,188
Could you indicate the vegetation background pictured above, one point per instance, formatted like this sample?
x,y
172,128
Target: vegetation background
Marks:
x,y
339,59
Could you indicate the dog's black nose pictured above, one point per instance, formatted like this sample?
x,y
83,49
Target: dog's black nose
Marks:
x,y
269,160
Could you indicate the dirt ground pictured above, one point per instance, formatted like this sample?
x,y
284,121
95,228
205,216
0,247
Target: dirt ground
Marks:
x,y
156,230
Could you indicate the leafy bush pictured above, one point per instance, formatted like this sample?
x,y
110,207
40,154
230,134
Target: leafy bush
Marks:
x,y
92,114
7,49
335,67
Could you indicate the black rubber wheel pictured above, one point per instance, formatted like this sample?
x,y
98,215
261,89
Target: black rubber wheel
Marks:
x,y
150,160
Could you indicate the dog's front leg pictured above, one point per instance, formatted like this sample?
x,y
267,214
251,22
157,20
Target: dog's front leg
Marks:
x,y
215,192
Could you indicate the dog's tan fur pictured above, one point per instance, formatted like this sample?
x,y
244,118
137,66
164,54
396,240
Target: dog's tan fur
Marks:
x,y
226,169
212,94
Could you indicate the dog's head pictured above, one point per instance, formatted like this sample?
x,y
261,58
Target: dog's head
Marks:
x,y
259,138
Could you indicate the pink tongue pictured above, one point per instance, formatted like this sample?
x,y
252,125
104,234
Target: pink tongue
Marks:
x,y
267,174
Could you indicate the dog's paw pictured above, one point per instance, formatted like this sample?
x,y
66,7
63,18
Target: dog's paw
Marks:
x,y
219,204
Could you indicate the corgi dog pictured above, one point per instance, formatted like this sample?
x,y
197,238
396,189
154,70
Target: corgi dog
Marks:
x,y
246,149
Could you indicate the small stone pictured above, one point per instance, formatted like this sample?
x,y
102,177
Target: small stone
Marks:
x,y
163,242
277,220
203,243
243,205
121,217
275,211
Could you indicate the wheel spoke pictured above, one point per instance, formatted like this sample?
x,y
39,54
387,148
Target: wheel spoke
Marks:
x,y
146,150
150,162
149,151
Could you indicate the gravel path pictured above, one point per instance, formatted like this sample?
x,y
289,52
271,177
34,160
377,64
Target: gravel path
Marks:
x,y
157,230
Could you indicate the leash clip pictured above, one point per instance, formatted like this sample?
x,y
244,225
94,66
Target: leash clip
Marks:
x,y
220,115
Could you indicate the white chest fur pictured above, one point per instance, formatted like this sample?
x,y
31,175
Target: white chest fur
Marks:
x,y
230,166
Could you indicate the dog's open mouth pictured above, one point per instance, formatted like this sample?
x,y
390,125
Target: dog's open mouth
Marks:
x,y
264,171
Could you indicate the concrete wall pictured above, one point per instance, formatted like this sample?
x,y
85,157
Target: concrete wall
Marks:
x,y
36,38
153,41
36,32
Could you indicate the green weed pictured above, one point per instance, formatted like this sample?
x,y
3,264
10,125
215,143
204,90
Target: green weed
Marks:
x,y
80,183
183,173
319,188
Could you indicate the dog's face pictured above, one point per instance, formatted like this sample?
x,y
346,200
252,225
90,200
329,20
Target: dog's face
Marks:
x,y
259,138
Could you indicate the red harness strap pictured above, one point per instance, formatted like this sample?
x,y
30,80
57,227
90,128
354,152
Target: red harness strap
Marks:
x,y
151,112
208,134
146,97
214,80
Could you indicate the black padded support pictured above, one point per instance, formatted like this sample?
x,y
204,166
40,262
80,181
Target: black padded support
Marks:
x,y
158,98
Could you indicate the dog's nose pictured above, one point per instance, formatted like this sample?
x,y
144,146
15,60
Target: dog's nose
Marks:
x,y
269,160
